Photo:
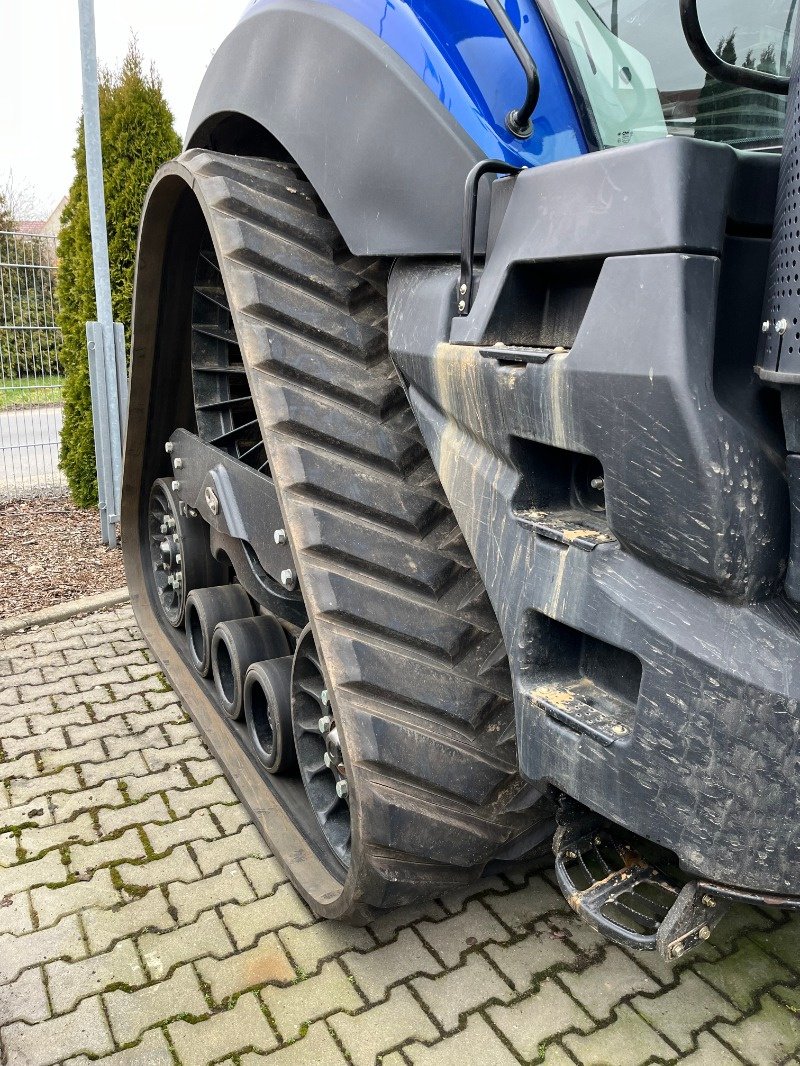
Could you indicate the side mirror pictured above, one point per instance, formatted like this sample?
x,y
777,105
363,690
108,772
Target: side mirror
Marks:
x,y
746,76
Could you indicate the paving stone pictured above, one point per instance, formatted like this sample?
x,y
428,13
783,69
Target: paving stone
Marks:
x,y
526,905
311,999
229,884
203,770
213,855
120,708
49,718
387,926
378,969
79,829
94,698
49,870
317,1048
179,732
122,745
114,769
710,1052
682,1011
600,987
365,1036
25,999
67,804
266,963
244,1026
783,942
85,1030
130,1013
206,936
231,816
104,927
486,887
451,937
15,913
246,922
742,976
22,769
70,982
310,944
164,757
51,904
152,1050
542,1015
33,813
460,991
766,1037
178,865
628,1041
524,960
476,1044
77,756
139,788
22,790
110,727
52,740
63,940
192,799
184,831
86,857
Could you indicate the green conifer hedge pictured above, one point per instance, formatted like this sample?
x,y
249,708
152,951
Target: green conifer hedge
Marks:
x,y
137,137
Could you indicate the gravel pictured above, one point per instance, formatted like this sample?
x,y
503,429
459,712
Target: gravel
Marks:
x,y
50,552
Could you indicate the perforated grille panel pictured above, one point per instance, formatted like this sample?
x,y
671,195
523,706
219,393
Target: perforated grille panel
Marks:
x,y
779,349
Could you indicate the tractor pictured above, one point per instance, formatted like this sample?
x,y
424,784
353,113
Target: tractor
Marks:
x,y
461,497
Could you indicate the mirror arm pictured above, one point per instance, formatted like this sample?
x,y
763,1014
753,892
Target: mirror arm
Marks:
x,y
716,66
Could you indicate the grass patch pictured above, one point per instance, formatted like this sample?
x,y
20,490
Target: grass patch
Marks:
x,y
30,391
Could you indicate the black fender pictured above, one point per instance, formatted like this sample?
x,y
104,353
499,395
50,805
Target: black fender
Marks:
x,y
385,156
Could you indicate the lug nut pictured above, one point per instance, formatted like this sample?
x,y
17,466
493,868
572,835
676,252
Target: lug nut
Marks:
x,y
164,527
178,463
324,697
705,933
598,483
327,759
288,579
325,723
176,486
341,789
462,305
279,536
169,447
619,729
765,327
677,951
463,289
177,558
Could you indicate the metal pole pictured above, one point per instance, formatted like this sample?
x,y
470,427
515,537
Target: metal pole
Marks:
x,y
97,219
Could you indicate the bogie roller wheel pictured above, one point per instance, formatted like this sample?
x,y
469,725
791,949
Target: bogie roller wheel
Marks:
x,y
205,609
401,679
267,708
235,646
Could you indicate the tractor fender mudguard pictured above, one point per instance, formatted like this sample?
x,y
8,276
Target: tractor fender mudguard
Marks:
x,y
387,159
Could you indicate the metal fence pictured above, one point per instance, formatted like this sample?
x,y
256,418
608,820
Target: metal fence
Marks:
x,y
30,374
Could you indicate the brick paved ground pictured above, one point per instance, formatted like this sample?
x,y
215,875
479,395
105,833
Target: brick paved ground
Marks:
x,y
143,921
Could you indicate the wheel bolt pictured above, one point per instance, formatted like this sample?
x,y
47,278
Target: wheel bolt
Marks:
x,y
176,486
178,464
324,697
279,536
326,758
168,447
288,579
705,933
325,723
341,789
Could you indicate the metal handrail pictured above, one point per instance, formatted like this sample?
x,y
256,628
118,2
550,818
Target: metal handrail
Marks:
x,y
716,66
518,120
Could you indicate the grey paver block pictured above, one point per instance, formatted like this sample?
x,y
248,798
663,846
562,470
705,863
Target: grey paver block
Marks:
x,y
51,904
49,718
122,745
246,922
541,950
682,1011
192,799
213,855
15,913
243,1026
601,986
376,970
231,816
23,789
310,944
33,813
627,1041
87,857
48,870
742,976
316,997
161,758
84,1030
126,708
68,804
317,1048
77,756
198,827
190,899
474,926
460,991
103,927
528,904
109,727
178,865
63,940
710,1052
203,770
152,1050
264,874
538,1017
266,963
477,1043
78,829
23,769
70,982
113,769
52,740
25,999
130,1013
783,942
383,1027
766,1037
206,936
386,927
139,788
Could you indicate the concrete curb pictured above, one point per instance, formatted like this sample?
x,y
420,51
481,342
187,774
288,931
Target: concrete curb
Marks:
x,y
86,605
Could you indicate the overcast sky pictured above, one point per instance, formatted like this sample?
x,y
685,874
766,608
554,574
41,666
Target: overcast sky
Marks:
x,y
40,74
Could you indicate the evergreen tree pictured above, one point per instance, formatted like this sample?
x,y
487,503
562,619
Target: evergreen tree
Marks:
x,y
137,136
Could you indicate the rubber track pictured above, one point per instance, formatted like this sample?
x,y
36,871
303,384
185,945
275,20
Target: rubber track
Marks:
x,y
416,663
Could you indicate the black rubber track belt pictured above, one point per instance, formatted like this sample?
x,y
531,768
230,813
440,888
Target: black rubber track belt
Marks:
x,y
416,664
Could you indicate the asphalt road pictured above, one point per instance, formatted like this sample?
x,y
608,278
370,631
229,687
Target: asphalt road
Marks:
x,y
29,440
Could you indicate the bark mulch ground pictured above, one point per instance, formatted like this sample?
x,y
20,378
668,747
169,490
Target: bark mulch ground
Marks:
x,y
50,552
